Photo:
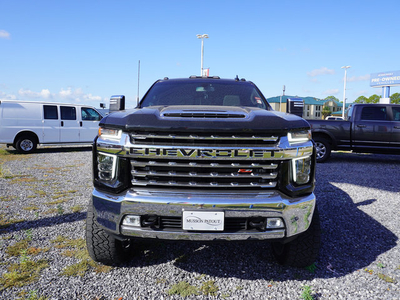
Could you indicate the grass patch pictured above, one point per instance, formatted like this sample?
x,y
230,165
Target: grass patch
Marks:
x,y
307,293
182,259
23,273
5,173
65,194
78,269
5,222
40,193
31,295
183,289
7,198
36,251
311,268
60,209
18,179
30,208
4,152
17,248
77,208
386,278
50,211
161,280
209,288
60,201
79,252
65,242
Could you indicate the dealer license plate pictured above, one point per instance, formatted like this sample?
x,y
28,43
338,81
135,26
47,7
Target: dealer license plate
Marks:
x,y
203,220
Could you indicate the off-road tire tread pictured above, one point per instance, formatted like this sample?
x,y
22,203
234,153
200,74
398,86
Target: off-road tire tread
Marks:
x,y
303,251
102,247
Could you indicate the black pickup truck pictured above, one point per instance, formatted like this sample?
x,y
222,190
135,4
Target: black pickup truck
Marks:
x,y
203,159
369,128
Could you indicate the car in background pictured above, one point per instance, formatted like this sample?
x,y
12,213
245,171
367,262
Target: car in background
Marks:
x,y
334,118
26,124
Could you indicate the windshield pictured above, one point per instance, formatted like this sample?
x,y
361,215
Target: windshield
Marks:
x,y
204,93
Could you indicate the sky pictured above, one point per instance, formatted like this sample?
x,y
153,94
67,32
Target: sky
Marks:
x,y
86,51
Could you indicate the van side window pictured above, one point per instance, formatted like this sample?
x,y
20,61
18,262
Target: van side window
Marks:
x,y
50,112
89,114
374,113
68,113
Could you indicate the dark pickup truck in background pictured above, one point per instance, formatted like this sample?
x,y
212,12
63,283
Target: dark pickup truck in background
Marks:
x,y
369,128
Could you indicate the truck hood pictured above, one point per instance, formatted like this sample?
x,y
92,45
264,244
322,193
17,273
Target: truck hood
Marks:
x,y
203,118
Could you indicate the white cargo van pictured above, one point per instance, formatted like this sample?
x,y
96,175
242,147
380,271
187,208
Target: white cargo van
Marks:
x,y
26,124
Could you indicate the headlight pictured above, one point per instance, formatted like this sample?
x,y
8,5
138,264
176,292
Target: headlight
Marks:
x,y
106,165
297,137
301,170
109,134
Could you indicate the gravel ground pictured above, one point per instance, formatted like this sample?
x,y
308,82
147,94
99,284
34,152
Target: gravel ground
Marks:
x,y
43,198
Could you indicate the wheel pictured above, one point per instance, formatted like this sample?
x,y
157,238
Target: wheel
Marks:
x,y
103,247
323,149
303,251
26,144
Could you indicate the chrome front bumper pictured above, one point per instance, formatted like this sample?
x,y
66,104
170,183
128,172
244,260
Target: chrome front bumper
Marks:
x,y
110,209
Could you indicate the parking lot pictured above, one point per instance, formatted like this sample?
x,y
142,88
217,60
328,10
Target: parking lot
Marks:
x,y
43,198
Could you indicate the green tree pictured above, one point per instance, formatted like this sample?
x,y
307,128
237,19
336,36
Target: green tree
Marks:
x,y
395,98
361,99
331,98
326,111
373,99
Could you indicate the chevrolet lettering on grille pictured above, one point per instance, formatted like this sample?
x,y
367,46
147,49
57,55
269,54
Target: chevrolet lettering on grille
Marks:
x,y
205,153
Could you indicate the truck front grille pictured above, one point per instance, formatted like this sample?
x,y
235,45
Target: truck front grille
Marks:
x,y
192,160
204,174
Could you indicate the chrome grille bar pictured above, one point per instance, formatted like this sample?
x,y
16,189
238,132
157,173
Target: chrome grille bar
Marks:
x,y
212,184
215,175
158,163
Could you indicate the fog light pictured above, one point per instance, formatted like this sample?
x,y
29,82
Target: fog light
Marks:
x,y
273,223
131,220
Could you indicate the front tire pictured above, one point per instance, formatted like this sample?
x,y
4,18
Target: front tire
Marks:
x,y
103,247
303,251
323,148
26,144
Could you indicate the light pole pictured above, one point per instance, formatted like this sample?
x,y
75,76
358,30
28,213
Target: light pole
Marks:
x,y
280,99
344,91
202,37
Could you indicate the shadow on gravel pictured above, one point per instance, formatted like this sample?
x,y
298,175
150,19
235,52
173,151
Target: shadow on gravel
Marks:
x,y
45,222
351,239
48,149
